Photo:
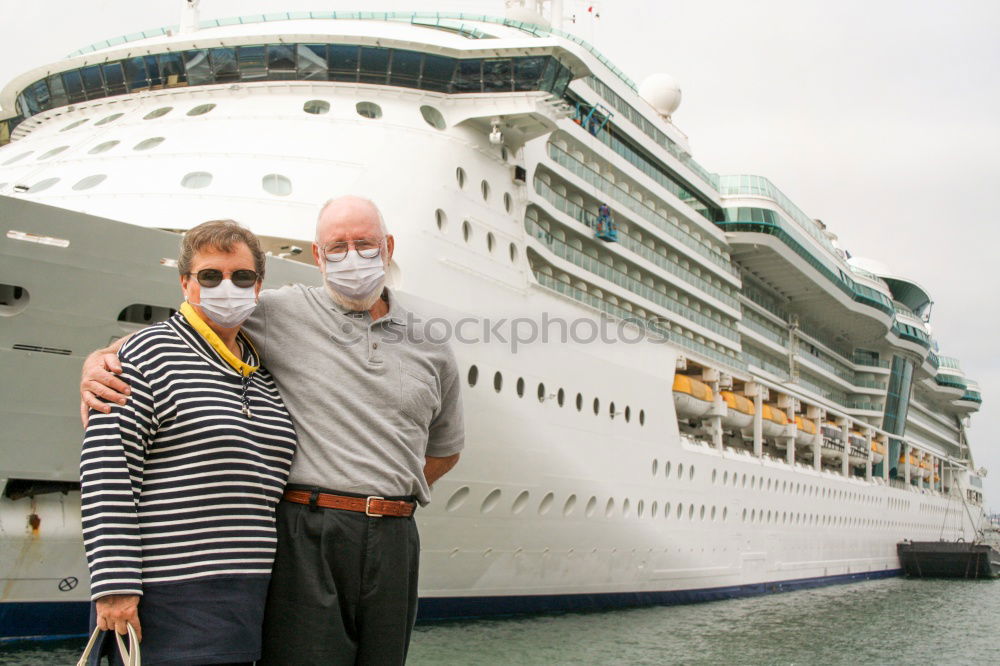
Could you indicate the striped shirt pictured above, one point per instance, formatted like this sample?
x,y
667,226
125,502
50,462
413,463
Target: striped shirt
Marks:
x,y
180,483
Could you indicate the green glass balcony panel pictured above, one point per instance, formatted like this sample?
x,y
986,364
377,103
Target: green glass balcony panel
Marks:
x,y
950,381
972,396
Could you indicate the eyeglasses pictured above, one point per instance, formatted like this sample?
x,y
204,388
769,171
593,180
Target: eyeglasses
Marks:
x,y
367,248
212,277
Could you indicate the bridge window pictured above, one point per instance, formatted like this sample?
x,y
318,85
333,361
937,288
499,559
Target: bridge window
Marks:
x,y
251,63
405,68
114,78
93,82
224,66
437,73
197,67
280,61
374,64
343,62
311,62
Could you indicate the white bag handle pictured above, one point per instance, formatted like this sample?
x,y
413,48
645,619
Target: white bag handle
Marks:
x,y
132,658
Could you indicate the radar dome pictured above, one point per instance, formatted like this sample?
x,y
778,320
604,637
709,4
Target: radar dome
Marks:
x,y
662,93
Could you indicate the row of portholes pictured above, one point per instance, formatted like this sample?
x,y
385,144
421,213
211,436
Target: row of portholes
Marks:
x,y
820,520
441,219
145,144
431,116
272,183
484,189
609,508
559,396
199,110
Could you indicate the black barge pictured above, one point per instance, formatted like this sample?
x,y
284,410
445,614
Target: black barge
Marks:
x,y
948,559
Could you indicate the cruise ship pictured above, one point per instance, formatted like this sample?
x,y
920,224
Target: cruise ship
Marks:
x,y
678,386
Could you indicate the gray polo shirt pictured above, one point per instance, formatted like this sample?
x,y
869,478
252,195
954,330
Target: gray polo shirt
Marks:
x,y
369,399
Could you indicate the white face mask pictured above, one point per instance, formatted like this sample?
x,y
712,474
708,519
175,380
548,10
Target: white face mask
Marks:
x,y
354,276
226,304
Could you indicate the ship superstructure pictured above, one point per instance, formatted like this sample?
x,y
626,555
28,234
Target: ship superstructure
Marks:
x,y
779,417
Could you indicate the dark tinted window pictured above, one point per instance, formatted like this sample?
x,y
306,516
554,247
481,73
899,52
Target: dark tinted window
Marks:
x,y
135,73
153,70
311,62
199,70
224,67
468,76
251,63
343,63
405,68
527,72
57,92
280,61
114,78
437,73
497,75
171,69
74,86
93,82
374,64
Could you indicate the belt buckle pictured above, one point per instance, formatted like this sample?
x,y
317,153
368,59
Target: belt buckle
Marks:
x,y
368,504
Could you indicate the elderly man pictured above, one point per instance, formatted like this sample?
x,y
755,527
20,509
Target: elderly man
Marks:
x,y
379,419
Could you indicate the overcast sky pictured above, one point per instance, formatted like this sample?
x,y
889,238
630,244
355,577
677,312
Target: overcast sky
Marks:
x,y
879,116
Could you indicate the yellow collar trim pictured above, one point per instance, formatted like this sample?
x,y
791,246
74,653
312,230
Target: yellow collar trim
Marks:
x,y
218,345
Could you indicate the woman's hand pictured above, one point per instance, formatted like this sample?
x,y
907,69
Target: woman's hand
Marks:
x,y
114,611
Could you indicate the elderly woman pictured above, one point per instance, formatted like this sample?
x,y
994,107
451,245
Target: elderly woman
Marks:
x,y
180,483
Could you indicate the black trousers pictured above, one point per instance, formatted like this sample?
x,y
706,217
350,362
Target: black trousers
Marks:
x,y
343,589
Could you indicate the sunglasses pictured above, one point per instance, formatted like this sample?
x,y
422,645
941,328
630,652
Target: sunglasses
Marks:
x,y
212,277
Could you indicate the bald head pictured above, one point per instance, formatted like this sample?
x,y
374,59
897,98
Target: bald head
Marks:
x,y
348,218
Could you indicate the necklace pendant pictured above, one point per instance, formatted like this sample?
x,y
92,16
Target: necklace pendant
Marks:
x,y
246,412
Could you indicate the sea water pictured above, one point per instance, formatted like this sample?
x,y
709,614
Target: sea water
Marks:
x,y
890,621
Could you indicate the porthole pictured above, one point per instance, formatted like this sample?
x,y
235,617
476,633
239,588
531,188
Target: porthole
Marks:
x,y
642,417
508,202
701,514
691,473
457,499
715,475
497,381
460,176
579,402
541,392
680,509
591,506
666,510
276,184
196,180
432,117
520,502
103,147
666,469
158,113
441,219
597,406
628,413
656,466
561,397
466,231
489,241
17,158
626,507
90,181
52,153
108,119
491,501
484,187
639,508
520,387
546,504
43,185
146,144
609,508
201,109
513,253
13,299
369,110
725,514
680,470
725,478
569,505
74,125
473,375
653,509
145,314
316,107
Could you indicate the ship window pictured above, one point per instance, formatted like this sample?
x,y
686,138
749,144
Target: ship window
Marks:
x,y
114,79
527,72
369,110
546,504
311,62
140,313
520,502
343,62
642,417
520,387
158,113
468,77
52,153
489,241
57,92
90,181
135,73
497,75
473,375
569,505
680,509
374,64
666,470
74,86
43,185
250,60
405,68
611,410
13,299
171,67
103,147
460,176
201,109
680,470
433,117
108,119
597,405
197,67
561,397
196,180
466,230
17,158
628,413
484,187
437,73
74,125
93,82
151,142
316,107
541,392
579,402
507,201
497,381
609,508
513,253
280,61
441,219
591,505
277,185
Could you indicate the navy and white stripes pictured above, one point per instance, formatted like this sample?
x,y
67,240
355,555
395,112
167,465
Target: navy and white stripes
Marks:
x,y
180,484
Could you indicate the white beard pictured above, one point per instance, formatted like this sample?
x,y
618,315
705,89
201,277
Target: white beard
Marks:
x,y
357,304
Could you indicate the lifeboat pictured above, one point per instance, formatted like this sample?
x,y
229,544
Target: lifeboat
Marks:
x,y
692,398
925,469
914,466
806,431
739,412
858,455
832,447
774,420
878,452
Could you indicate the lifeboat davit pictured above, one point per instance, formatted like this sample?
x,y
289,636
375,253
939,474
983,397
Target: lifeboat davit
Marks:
x,y
914,466
739,410
833,446
806,433
692,398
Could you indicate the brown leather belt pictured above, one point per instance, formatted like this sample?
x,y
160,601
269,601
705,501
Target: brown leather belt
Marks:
x,y
370,506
